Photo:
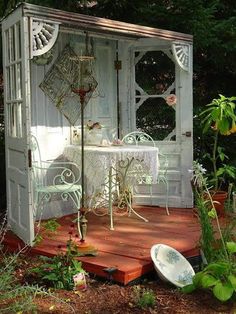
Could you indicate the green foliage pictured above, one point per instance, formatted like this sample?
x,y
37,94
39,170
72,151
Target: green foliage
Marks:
x,y
13,296
58,271
144,297
220,115
47,229
219,118
219,277
207,240
51,225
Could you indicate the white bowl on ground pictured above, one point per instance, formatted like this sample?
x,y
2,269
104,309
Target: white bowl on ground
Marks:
x,y
171,265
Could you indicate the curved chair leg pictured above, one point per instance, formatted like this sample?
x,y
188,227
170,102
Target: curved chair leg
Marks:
x,y
167,193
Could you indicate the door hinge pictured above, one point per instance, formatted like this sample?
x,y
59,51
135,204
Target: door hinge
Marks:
x,y
30,158
118,64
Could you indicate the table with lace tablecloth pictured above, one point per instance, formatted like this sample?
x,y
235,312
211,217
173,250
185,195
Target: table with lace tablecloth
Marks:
x,y
100,162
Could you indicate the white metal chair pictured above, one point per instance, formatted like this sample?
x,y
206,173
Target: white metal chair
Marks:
x,y
54,178
142,138
138,138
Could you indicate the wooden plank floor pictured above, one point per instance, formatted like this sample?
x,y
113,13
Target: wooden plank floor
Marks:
x,y
127,248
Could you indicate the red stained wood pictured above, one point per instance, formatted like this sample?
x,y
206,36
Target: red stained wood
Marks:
x,y
127,248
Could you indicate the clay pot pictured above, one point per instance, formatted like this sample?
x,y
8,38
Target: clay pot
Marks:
x,y
219,197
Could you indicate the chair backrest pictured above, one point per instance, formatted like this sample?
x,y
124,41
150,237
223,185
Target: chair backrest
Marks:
x,y
142,138
52,172
138,138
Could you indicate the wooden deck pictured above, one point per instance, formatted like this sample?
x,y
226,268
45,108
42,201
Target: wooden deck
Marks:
x,y
127,248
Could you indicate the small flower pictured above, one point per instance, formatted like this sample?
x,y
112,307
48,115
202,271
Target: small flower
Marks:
x,y
198,173
171,100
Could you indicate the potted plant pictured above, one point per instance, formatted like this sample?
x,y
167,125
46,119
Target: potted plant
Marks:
x,y
219,119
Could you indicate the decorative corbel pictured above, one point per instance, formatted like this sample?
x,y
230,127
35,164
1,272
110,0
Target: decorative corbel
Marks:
x,y
181,53
43,36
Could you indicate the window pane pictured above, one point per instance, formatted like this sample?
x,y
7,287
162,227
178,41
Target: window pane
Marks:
x,y
15,119
18,41
18,81
12,44
154,72
13,81
156,118
12,121
7,46
155,76
19,120
8,84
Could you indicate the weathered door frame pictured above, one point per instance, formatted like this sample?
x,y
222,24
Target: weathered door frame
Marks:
x,y
17,127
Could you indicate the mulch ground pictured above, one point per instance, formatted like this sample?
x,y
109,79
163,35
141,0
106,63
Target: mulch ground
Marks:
x,y
110,298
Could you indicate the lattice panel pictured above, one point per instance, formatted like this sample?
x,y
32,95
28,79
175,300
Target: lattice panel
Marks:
x,y
66,75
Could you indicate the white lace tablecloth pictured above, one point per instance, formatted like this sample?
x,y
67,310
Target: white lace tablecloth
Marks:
x,y
98,160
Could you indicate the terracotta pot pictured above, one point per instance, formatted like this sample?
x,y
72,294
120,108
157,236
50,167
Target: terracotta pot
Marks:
x,y
219,197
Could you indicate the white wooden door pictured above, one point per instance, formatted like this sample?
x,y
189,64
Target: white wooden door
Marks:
x,y
102,107
159,68
17,113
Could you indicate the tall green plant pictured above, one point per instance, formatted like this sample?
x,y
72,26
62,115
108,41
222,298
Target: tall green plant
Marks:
x,y
219,118
220,273
207,240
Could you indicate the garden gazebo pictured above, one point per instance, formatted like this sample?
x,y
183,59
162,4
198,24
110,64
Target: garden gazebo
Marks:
x,y
135,67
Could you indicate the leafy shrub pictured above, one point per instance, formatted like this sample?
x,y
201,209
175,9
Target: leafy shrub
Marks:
x,y
58,271
219,277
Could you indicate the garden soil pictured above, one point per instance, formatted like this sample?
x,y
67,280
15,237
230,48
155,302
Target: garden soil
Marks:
x,y
102,297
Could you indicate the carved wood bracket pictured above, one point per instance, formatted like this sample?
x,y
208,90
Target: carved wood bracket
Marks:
x,y
43,36
181,53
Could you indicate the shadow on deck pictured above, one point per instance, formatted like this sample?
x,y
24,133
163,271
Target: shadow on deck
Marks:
x,y
126,249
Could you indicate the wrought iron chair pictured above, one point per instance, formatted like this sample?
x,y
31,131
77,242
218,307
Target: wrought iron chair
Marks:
x,y
142,138
138,138
54,178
